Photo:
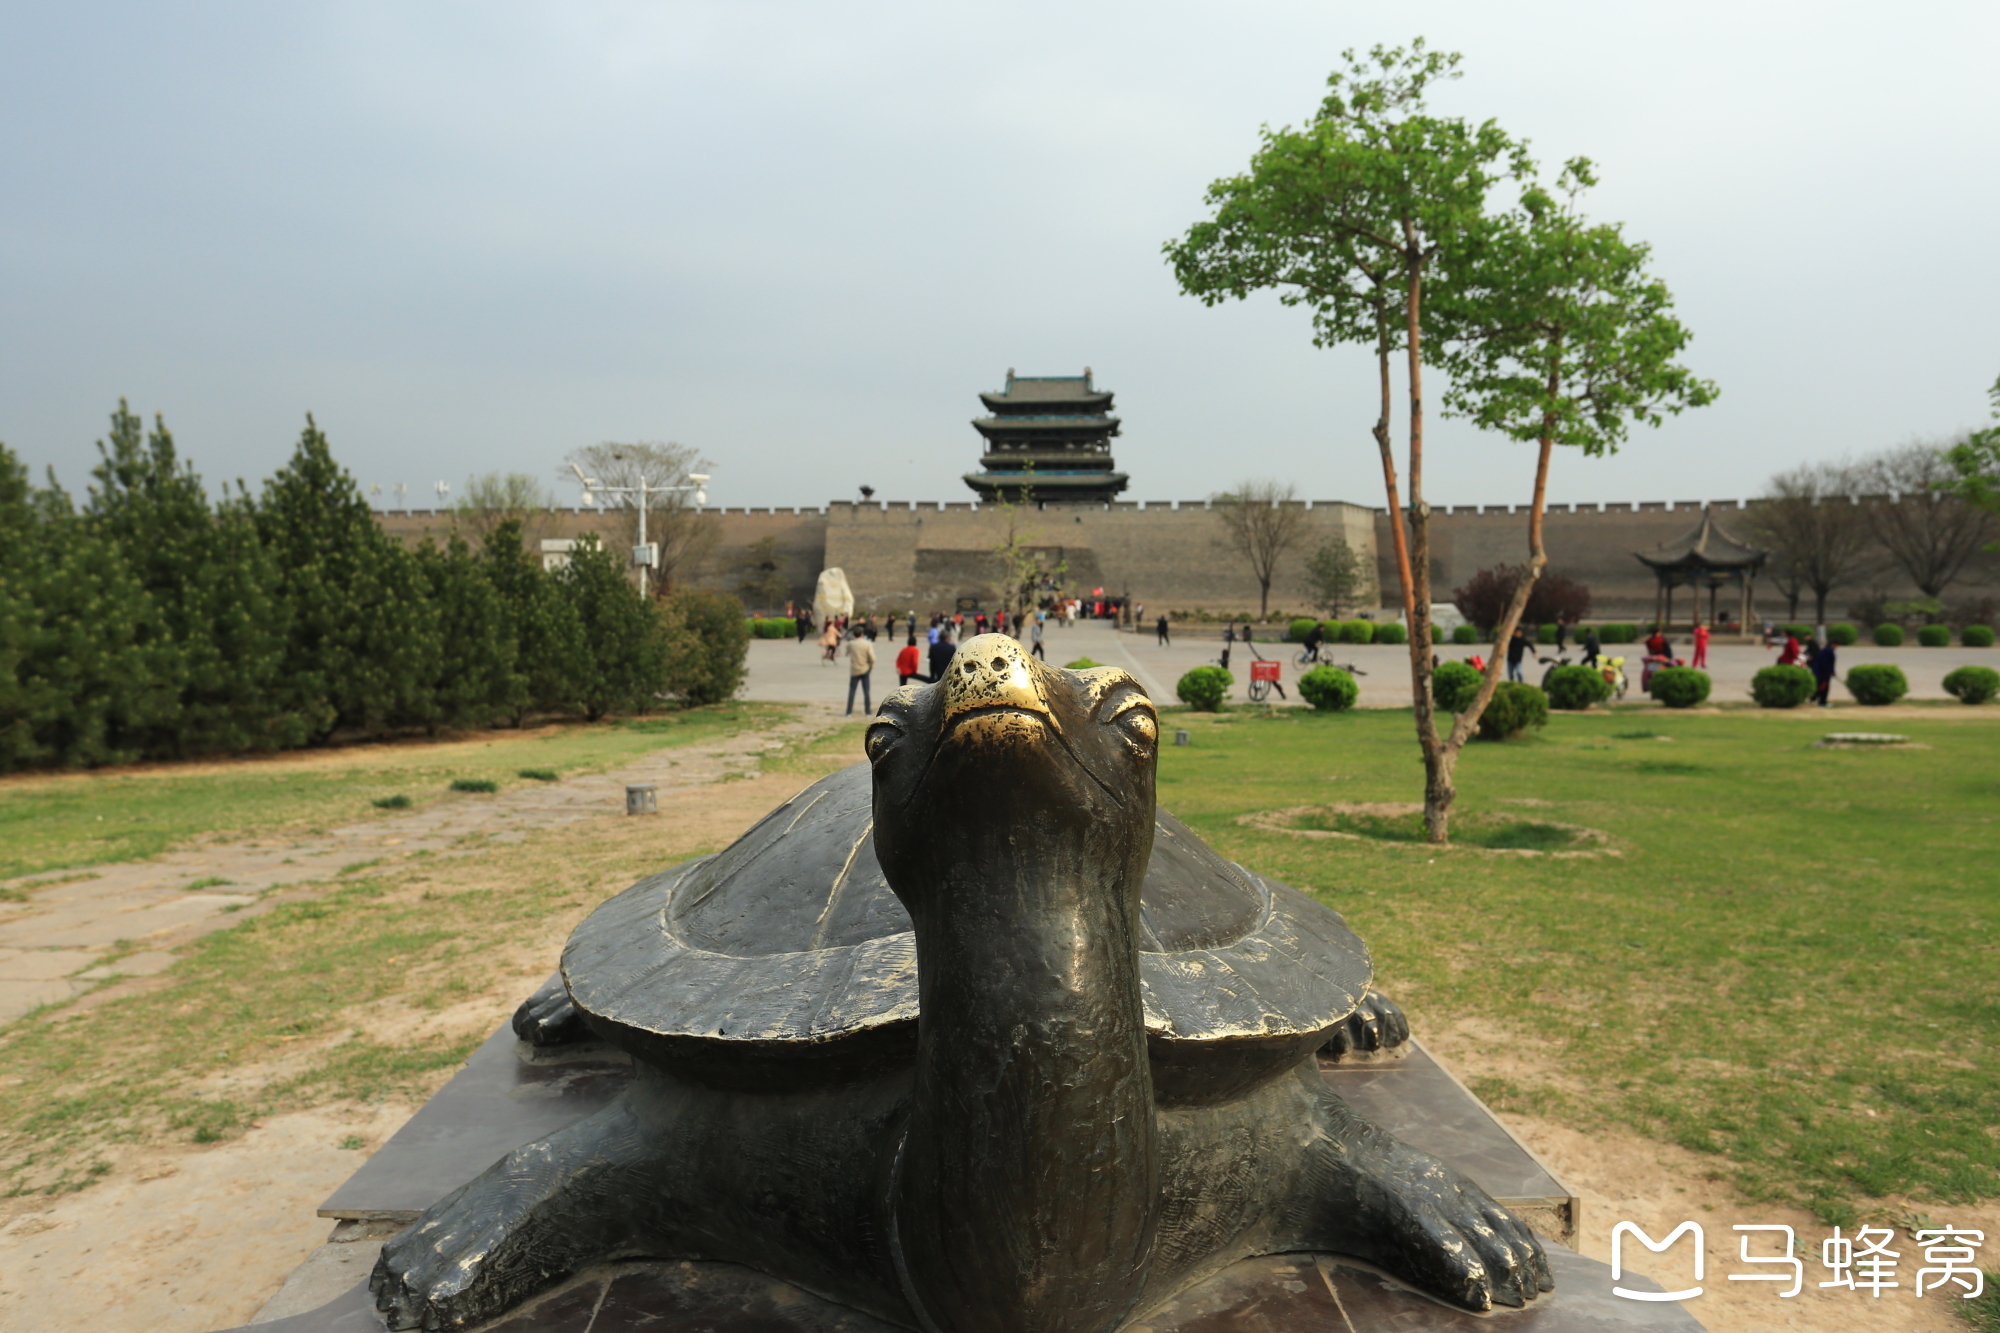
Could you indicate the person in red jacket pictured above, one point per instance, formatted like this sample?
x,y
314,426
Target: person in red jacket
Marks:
x,y
907,662
1700,644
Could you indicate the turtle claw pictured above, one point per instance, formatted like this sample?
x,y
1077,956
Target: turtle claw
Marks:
x,y
548,1018
1376,1024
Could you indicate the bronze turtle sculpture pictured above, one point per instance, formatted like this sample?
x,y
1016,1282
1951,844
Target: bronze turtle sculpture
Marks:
x,y
972,1038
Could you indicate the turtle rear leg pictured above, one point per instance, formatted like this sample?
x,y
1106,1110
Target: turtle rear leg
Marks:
x,y
537,1215
1361,1191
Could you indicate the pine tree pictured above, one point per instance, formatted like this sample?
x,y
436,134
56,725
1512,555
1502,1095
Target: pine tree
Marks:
x,y
476,679
363,644
223,626
707,646
548,637
624,662
88,679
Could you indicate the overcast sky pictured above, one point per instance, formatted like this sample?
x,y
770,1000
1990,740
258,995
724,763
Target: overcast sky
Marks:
x,y
802,237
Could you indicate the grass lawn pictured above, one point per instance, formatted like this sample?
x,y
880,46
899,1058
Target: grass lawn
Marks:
x,y
1789,959
51,822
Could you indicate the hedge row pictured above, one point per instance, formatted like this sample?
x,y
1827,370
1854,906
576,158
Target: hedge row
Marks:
x,y
1348,631
152,623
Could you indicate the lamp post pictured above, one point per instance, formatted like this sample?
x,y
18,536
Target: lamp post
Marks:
x,y
643,555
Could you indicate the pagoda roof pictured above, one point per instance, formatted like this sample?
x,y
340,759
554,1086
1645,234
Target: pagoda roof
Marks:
x,y
1706,546
1045,425
1049,390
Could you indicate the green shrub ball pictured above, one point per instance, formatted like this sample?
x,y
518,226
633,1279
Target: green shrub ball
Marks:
x,y
1933,636
1876,685
1545,634
1680,687
1204,688
1575,688
1782,686
1888,636
1299,628
1452,686
1391,631
1972,684
1329,689
1513,708
1976,636
1618,632
1465,634
1357,631
1842,635
1082,664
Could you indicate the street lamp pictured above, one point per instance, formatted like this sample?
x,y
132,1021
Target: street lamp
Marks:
x,y
643,555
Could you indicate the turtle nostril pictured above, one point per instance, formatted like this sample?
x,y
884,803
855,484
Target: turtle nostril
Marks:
x,y
1000,664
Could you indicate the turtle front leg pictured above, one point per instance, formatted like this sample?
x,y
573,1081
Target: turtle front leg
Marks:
x,y
548,1018
534,1217
1360,1191
1376,1024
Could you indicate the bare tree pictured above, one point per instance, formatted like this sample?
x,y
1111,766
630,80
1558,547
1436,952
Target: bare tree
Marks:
x,y
761,580
1261,521
1817,530
1927,528
493,498
1023,566
685,535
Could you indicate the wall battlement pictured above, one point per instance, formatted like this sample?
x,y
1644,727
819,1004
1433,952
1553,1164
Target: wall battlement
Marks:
x,y
924,555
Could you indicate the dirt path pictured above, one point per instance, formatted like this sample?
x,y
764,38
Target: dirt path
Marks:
x,y
53,947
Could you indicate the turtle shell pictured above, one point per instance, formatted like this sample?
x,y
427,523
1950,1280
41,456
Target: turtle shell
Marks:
x,y
790,947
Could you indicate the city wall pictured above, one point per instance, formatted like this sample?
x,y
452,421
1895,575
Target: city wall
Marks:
x,y
926,556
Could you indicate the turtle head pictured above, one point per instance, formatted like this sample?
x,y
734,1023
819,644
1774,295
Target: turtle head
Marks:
x,y
1004,745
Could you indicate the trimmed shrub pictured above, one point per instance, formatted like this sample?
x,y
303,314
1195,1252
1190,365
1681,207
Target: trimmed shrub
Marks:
x,y
1452,686
474,784
1357,631
1782,686
1876,685
1972,684
1513,708
1976,636
1799,632
539,774
1575,688
1391,631
1545,634
1296,632
1842,635
1465,634
1618,632
1329,689
704,649
1082,664
766,628
1204,688
1888,636
396,802
1931,636
1680,687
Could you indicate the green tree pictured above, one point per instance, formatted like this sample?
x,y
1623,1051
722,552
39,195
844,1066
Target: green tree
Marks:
x,y
624,662
1975,463
363,648
475,680
222,624
706,646
1262,521
1335,578
548,637
1378,217
88,677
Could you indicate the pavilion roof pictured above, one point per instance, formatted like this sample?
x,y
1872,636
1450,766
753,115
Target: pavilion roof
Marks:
x,y
1065,390
1706,546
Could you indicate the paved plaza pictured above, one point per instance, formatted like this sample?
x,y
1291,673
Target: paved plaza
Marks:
x,y
782,670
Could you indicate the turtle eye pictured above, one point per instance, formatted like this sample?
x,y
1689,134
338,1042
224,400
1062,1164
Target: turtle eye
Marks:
x,y
881,739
